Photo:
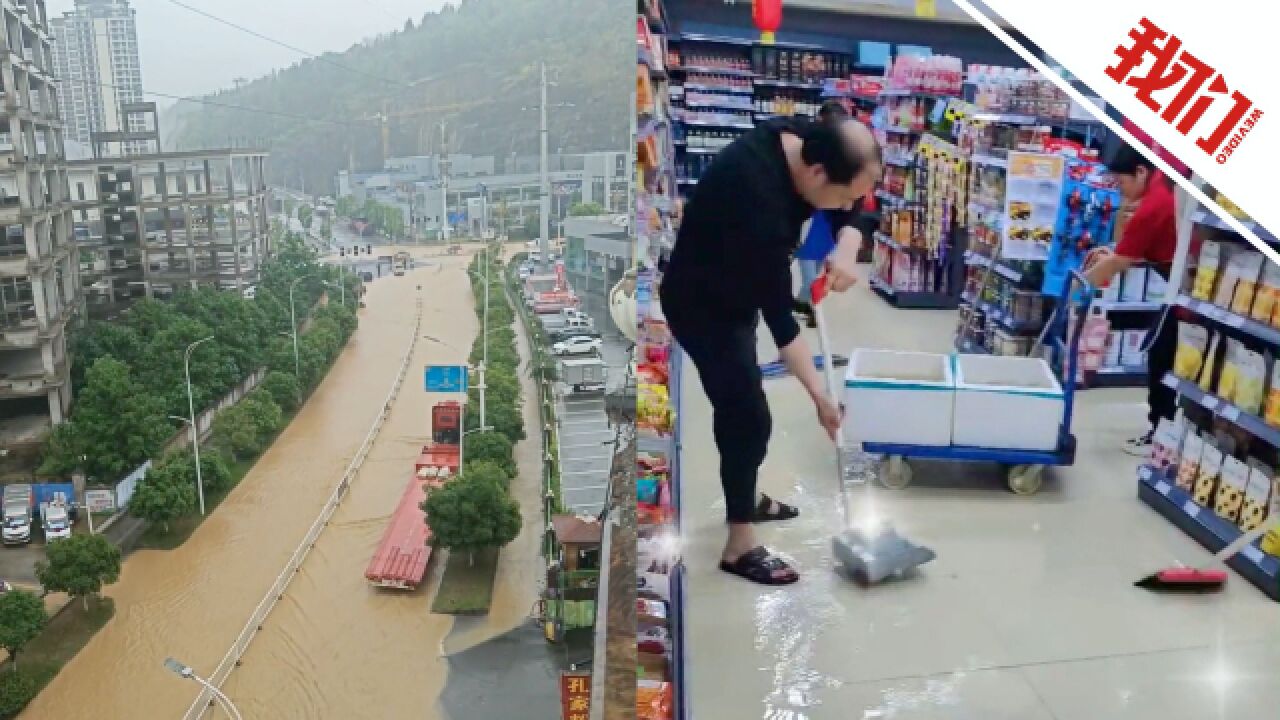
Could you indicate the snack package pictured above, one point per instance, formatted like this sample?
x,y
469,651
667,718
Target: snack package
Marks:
x,y
1238,268
1264,301
653,639
1207,270
1251,368
651,612
1189,463
1271,413
647,490
1230,370
1256,496
1207,477
1271,541
1247,287
1166,443
1193,341
1210,356
1230,495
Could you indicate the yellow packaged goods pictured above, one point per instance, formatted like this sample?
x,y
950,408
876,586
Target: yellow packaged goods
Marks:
x,y
1206,372
1256,496
1247,285
1264,301
1189,466
1271,414
1271,541
1192,342
1207,477
1230,496
1207,272
1240,266
1251,368
1230,370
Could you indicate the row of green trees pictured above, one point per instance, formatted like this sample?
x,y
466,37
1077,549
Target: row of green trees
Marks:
x,y
242,431
79,566
385,219
128,377
475,510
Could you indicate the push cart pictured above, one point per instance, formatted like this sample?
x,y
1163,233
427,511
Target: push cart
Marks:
x,y
1025,468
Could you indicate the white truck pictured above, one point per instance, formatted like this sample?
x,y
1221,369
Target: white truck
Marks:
x,y
584,374
18,501
55,516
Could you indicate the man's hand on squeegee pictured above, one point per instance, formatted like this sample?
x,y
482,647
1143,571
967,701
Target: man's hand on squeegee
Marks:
x,y
842,264
798,359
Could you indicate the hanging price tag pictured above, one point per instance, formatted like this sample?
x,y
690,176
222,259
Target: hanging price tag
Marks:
x,y
1234,320
1162,487
927,8
1210,402
1191,509
1230,413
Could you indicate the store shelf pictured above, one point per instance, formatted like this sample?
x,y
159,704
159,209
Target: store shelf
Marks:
x,y
1004,271
890,93
913,300
890,242
1249,326
718,124
1119,376
787,85
1001,318
1209,219
645,57
716,88
1211,531
902,130
899,160
895,200
989,160
1248,422
1128,306
727,72
1007,118
713,39
702,150
716,106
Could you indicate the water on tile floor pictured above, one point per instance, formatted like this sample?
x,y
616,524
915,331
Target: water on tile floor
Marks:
x,y
1028,613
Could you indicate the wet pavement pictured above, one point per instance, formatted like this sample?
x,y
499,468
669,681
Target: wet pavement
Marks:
x,y
481,678
333,647
1027,614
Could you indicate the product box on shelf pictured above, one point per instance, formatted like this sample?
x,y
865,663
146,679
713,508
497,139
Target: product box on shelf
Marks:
x,y
1115,342
1131,353
1006,402
899,397
1134,287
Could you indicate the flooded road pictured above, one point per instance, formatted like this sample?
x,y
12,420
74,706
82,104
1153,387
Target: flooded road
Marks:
x,y
333,648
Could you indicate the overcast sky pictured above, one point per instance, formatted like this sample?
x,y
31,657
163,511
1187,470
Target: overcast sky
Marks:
x,y
184,53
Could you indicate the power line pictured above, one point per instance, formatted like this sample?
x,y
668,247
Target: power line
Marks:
x,y
244,108
282,44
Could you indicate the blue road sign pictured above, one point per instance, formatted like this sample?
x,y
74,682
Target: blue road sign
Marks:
x,y
446,378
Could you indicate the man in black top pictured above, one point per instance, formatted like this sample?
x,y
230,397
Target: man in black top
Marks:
x,y
730,266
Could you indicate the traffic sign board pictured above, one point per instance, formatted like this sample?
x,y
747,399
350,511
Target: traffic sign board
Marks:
x,y
446,378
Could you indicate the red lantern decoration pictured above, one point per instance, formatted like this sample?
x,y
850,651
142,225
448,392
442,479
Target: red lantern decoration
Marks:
x,y
767,15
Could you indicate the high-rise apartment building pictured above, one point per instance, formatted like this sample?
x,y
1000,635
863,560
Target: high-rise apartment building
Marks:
x,y
95,52
39,267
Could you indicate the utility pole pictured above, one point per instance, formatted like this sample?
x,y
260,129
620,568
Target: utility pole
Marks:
x,y
386,132
544,200
444,188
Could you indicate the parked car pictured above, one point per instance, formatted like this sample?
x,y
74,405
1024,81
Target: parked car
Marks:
x,y
577,345
525,272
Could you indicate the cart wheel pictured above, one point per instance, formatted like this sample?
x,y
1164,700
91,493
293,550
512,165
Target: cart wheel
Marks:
x,y
1026,479
895,472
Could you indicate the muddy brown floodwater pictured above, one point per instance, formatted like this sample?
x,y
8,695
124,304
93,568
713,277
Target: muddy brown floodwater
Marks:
x,y
333,647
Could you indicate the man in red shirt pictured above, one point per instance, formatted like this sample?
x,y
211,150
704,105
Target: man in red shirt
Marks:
x,y
1150,237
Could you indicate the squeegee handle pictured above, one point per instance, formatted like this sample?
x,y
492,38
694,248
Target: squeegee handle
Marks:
x,y
818,292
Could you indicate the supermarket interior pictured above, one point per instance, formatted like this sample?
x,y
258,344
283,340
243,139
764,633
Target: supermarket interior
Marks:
x,y
996,396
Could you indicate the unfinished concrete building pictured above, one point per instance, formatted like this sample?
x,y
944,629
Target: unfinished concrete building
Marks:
x,y
148,225
39,281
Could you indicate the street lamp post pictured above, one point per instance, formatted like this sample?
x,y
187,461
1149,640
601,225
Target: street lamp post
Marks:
x,y
185,672
293,327
191,408
484,331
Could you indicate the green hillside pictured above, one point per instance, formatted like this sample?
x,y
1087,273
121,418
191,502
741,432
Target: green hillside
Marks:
x,y
480,64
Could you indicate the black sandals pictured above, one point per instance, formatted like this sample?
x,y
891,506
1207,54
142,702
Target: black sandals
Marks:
x,y
760,566
763,514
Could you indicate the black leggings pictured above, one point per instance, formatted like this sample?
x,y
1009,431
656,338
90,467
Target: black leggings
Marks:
x,y
1162,401
725,356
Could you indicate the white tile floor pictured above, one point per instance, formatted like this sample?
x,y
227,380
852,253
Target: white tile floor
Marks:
x,y
1028,613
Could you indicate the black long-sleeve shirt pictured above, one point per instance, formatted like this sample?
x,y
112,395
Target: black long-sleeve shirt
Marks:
x,y
732,258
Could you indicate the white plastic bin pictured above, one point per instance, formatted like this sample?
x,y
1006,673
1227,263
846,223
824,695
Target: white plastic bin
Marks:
x,y
898,397
1006,402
